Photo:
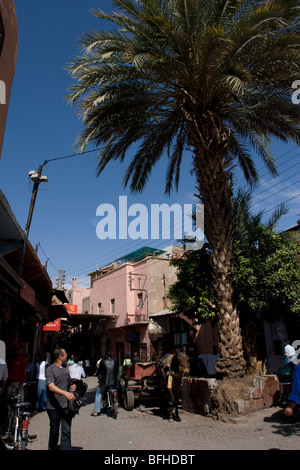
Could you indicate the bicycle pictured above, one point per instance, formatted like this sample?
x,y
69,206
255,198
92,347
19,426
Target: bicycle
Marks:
x,y
17,437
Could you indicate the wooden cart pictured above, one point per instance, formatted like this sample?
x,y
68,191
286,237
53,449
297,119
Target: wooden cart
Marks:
x,y
139,384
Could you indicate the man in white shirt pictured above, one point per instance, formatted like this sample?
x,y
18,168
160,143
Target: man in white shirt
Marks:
x,y
289,354
77,372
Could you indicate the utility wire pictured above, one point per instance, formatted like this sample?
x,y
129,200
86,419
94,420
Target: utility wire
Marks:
x,y
164,242
69,156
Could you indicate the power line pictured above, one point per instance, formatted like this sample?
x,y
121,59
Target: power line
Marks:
x,y
273,177
272,208
70,156
154,260
164,242
279,158
133,245
277,192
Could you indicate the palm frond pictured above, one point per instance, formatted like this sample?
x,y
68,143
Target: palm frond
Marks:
x,y
186,59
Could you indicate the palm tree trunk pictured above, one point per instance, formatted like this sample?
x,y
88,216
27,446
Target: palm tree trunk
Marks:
x,y
214,183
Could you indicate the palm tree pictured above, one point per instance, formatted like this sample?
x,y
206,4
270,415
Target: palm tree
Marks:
x,y
249,232
206,78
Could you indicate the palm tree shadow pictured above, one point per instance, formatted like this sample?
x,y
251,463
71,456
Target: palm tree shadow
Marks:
x,y
283,425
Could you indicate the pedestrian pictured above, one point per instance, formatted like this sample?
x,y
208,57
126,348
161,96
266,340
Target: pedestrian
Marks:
x,y
77,373
31,377
108,371
59,394
95,374
70,361
294,397
125,370
3,376
135,358
41,393
289,354
3,406
32,369
127,361
87,365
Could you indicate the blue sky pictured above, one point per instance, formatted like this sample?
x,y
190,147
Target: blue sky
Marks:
x,y
41,126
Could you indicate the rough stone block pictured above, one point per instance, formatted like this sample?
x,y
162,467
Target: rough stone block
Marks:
x,y
256,405
241,406
197,393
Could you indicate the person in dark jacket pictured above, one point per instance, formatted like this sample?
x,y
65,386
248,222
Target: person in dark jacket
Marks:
x,y
107,375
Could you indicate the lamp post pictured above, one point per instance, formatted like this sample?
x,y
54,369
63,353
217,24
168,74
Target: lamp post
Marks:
x,y
37,178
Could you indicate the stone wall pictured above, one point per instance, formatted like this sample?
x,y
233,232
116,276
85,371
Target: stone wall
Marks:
x,y
197,395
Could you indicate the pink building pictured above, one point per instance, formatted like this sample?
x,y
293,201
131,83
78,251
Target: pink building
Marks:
x,y
79,296
131,298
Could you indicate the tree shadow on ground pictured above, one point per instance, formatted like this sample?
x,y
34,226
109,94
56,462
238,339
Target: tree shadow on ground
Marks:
x,y
283,425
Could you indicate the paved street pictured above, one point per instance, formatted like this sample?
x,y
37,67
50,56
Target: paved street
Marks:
x,y
145,430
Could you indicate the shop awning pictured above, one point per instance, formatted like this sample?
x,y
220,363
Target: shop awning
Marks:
x,y
162,313
57,311
9,276
11,233
60,295
107,321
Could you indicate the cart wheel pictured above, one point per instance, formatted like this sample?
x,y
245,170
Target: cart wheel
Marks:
x,y
129,400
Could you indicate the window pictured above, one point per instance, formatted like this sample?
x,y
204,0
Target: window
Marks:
x,y
180,330
140,301
99,308
112,306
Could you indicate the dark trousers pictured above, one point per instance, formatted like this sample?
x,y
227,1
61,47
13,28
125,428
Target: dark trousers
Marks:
x,y
64,418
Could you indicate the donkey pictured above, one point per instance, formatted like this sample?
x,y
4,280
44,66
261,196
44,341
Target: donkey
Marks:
x,y
170,370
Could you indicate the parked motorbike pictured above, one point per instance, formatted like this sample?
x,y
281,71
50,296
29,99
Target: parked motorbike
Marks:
x,y
20,411
111,401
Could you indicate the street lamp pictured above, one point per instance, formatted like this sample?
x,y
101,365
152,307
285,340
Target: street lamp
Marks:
x,y
37,178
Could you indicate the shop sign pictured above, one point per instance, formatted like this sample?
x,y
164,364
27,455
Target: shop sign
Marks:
x,y
72,309
52,326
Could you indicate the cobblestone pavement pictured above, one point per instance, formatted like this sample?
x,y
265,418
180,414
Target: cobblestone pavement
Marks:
x,y
146,430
